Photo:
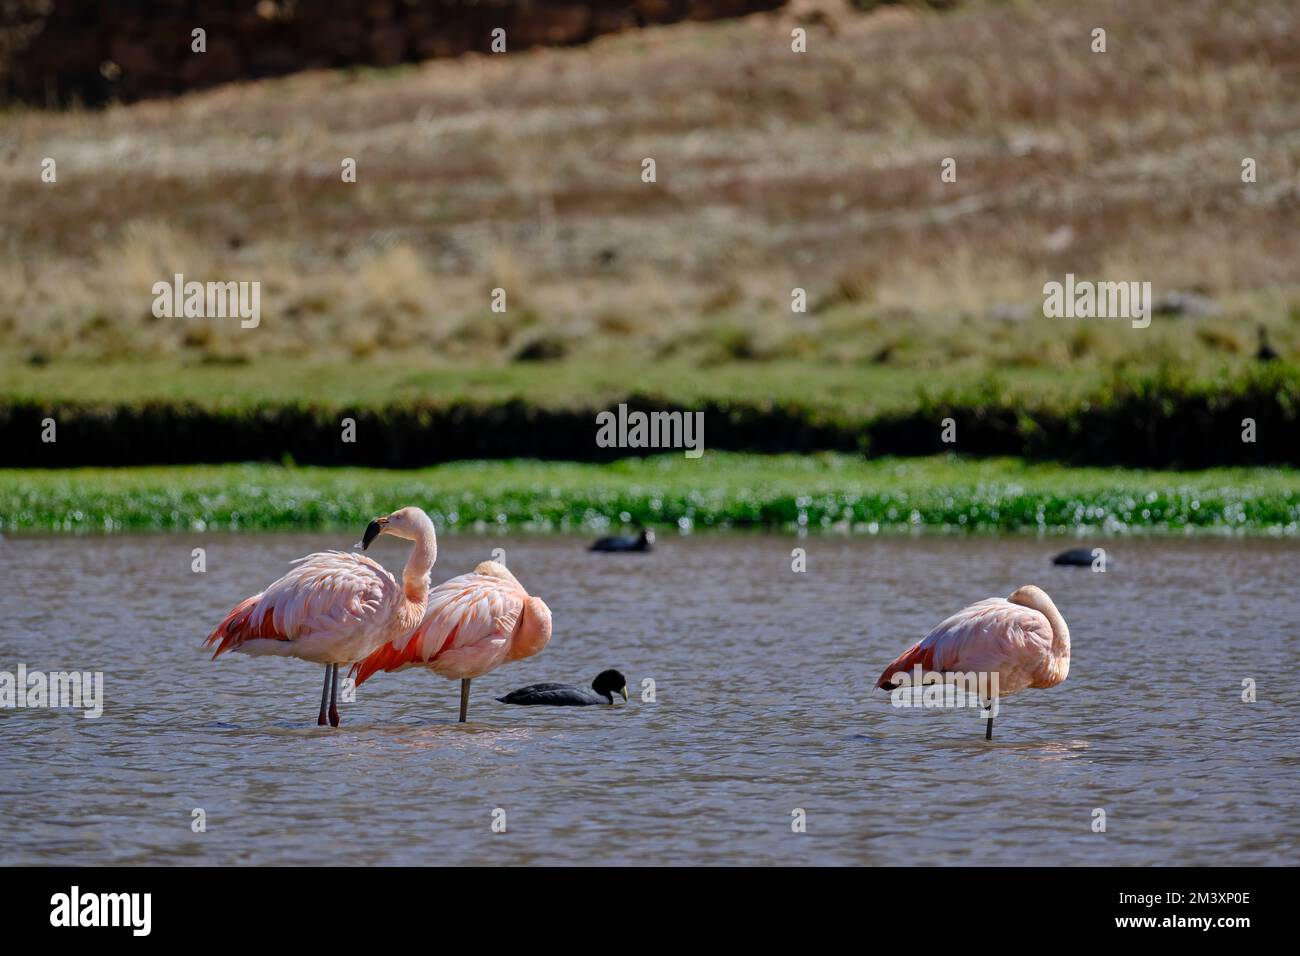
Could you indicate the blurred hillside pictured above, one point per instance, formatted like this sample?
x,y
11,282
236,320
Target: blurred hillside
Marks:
x,y
775,170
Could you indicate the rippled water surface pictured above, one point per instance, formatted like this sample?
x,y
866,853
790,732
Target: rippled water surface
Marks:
x,y
762,706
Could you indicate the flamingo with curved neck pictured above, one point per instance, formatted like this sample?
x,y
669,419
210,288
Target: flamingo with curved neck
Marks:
x,y
336,608
473,624
1023,639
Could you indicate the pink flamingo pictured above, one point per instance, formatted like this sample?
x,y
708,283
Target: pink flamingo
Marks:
x,y
335,608
475,623
1022,639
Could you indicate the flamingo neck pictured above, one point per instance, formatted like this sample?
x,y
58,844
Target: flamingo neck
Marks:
x,y
415,576
1060,632
533,631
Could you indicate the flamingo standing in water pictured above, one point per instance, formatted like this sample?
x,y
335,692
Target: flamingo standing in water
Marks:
x,y
474,623
1022,639
335,608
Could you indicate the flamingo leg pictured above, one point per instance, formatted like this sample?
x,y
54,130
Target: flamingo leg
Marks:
x,y
464,699
324,697
988,731
334,698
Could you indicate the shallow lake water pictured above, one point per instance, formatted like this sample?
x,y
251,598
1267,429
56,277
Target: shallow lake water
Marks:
x,y
762,706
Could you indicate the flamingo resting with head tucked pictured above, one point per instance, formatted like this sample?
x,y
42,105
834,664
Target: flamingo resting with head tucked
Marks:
x,y
474,623
1023,639
335,608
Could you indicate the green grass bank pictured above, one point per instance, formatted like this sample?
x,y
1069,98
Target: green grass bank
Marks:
x,y
820,491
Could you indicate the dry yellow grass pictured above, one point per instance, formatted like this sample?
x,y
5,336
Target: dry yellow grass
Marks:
x,y
775,170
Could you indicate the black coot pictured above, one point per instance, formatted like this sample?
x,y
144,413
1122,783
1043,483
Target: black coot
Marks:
x,y
1080,558
601,691
643,542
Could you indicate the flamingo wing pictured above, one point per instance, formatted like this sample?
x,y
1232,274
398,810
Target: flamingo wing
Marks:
x,y
466,628
990,636
329,604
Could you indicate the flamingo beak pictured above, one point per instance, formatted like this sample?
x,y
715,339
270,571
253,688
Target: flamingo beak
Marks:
x,y
373,530
624,693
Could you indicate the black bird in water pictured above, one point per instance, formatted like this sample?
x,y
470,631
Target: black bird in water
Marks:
x,y
602,691
1080,558
645,541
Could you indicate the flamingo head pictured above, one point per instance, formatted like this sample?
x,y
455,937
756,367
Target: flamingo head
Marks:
x,y
608,683
373,531
410,523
